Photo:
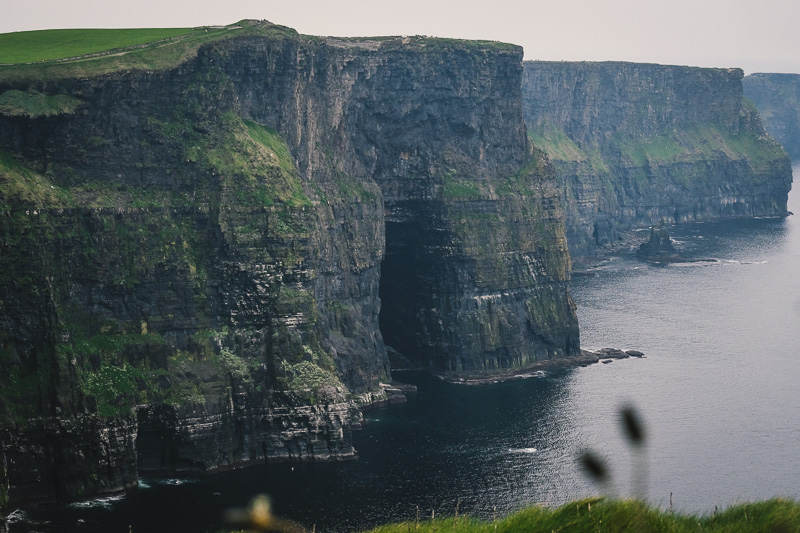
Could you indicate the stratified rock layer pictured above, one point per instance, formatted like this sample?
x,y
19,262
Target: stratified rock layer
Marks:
x,y
641,144
193,258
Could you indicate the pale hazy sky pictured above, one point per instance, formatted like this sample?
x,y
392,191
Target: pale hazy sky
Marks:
x,y
756,35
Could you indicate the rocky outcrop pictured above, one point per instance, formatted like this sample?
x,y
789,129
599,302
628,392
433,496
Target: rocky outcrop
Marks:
x,y
199,261
641,144
777,97
658,247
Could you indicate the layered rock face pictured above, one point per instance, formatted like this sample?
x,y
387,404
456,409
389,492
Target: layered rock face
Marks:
x,y
777,97
641,144
199,264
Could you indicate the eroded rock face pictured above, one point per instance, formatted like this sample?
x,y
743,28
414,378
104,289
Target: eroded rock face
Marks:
x,y
206,259
62,458
640,144
777,97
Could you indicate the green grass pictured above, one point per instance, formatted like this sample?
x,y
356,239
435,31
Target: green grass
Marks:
x,y
559,147
34,104
688,144
272,141
23,185
555,143
98,52
461,188
610,516
520,184
44,45
666,148
701,141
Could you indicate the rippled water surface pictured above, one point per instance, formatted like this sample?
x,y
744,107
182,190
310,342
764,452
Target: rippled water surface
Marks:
x,y
718,390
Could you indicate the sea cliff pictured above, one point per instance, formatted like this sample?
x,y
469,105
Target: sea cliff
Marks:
x,y
205,244
777,97
643,144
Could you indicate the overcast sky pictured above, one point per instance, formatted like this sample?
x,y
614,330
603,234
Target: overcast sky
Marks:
x,y
756,35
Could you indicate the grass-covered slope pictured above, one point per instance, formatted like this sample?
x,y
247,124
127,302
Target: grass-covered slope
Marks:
x,y
46,45
56,54
687,145
777,515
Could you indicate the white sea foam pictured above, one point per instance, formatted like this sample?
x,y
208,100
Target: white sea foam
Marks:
x,y
176,481
522,450
106,502
535,374
18,515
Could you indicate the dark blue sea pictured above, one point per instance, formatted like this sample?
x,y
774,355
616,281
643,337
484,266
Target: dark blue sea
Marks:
x,y
718,390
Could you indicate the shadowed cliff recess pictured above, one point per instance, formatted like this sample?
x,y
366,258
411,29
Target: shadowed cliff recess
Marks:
x,y
198,236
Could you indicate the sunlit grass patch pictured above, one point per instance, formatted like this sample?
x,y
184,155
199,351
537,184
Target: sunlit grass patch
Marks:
x,y
43,45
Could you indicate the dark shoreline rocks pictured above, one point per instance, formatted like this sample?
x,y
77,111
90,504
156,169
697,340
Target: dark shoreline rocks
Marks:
x,y
658,247
540,368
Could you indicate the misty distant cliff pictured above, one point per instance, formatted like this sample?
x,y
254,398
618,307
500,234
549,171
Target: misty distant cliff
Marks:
x,y
777,97
640,144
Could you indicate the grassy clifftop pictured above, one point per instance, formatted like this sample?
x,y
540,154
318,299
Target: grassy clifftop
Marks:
x,y
55,54
49,45
47,55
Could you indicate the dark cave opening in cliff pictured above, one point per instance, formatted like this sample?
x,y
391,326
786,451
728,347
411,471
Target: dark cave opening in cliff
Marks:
x,y
399,292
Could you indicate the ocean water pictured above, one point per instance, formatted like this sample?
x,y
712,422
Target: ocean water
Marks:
x,y
718,393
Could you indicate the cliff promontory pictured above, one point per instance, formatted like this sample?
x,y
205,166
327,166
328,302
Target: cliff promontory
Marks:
x,y
641,144
205,244
777,97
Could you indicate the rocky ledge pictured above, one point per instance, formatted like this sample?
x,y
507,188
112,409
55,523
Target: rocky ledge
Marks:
x,y
542,368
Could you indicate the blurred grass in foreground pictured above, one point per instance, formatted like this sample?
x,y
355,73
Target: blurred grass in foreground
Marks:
x,y
611,516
